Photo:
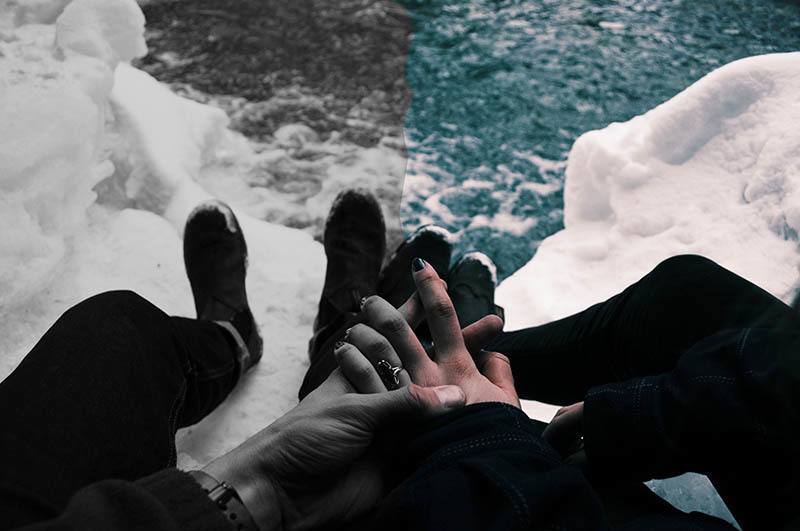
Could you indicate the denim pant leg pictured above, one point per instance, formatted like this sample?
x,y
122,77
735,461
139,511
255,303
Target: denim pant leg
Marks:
x,y
640,331
101,395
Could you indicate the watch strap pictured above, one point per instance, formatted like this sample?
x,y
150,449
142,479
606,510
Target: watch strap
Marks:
x,y
227,500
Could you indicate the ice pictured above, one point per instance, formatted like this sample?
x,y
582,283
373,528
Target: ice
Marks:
x,y
713,171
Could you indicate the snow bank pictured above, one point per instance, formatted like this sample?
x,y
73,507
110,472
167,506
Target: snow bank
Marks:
x,y
98,170
713,171
54,85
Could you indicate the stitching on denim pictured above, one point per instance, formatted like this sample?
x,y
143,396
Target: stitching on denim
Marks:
x,y
177,403
444,456
216,373
517,499
713,378
742,341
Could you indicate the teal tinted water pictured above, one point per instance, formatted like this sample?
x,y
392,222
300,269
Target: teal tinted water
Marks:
x,y
501,89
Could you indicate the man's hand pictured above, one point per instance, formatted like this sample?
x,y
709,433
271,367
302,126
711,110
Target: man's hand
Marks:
x,y
387,334
313,467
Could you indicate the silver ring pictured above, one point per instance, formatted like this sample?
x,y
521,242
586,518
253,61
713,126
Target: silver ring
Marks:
x,y
388,374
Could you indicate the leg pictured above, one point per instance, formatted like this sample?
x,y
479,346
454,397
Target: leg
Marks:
x,y
101,395
639,331
355,243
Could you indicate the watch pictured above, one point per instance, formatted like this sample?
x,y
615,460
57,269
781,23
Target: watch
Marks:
x,y
226,498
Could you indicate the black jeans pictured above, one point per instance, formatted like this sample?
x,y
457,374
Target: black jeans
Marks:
x,y
101,396
641,331
103,392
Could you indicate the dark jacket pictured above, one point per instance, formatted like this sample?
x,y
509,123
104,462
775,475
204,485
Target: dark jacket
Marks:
x,y
729,409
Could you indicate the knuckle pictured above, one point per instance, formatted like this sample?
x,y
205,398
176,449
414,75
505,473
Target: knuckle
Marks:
x,y
364,371
415,396
358,330
426,282
378,345
442,308
370,301
392,324
501,357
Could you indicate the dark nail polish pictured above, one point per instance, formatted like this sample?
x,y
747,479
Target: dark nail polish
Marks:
x,y
418,264
346,334
362,303
339,344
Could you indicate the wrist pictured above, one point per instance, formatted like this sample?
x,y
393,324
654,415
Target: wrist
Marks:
x,y
257,493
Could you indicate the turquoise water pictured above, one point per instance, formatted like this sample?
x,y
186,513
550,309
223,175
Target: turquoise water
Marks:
x,y
501,89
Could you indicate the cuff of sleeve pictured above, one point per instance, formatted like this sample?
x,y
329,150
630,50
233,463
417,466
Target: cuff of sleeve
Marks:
x,y
179,493
619,435
473,430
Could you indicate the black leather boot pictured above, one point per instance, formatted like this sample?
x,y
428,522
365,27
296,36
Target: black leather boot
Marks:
x,y
215,255
429,242
471,286
355,242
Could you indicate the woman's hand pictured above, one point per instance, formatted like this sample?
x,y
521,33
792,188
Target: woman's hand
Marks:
x,y
565,433
313,466
387,334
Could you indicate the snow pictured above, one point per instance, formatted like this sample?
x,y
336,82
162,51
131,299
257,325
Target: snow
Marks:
x,y
100,165
713,171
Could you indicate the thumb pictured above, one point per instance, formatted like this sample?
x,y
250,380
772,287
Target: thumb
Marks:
x,y
413,401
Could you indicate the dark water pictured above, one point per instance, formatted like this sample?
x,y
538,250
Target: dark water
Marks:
x,y
501,87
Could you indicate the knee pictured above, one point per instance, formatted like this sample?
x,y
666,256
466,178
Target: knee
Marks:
x,y
115,305
684,264
118,301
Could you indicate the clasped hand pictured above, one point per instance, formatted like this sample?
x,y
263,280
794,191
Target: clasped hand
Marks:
x,y
316,465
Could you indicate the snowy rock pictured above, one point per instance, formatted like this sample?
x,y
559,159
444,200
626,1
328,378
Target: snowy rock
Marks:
x,y
51,154
99,168
109,30
713,171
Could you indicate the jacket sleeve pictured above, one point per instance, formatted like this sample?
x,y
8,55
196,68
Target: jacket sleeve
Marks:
x,y
486,467
167,500
728,410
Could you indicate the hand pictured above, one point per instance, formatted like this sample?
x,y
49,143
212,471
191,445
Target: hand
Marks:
x,y
387,334
565,431
313,467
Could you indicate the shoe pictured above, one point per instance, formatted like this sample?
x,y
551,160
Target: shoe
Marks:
x,y
429,242
355,242
471,286
215,255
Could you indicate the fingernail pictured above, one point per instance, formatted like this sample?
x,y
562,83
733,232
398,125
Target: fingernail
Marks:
x,y
339,344
346,334
450,396
418,264
362,303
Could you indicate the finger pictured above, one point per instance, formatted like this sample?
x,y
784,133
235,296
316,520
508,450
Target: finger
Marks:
x,y
497,369
387,321
335,385
411,401
565,428
412,311
481,332
375,348
358,370
440,313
